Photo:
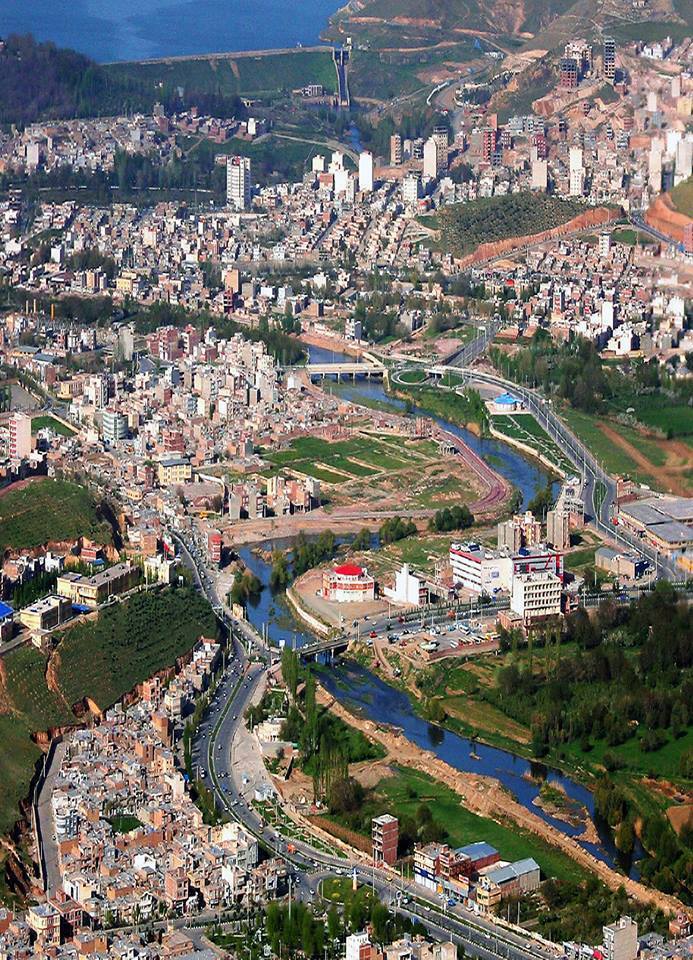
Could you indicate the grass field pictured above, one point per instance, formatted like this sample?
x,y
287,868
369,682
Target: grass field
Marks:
x,y
615,459
525,429
404,792
243,76
103,659
362,455
682,197
38,423
49,510
413,376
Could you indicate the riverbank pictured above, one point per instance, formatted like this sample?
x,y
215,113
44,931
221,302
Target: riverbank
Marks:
x,y
486,797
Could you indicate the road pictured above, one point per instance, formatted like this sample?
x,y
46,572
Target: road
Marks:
x,y
229,761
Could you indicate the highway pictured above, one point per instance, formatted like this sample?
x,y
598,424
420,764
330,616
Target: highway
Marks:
x,y
227,757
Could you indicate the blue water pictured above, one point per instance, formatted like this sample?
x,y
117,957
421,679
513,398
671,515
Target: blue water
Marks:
x,y
138,29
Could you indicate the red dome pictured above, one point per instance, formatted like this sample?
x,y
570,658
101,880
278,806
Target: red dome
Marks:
x,y
349,570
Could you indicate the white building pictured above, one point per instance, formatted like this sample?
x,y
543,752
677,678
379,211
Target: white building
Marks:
x,y
536,595
430,159
604,243
408,589
540,174
411,189
355,943
365,171
480,570
577,172
238,182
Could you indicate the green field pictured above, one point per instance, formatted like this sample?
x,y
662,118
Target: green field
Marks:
x,y
614,459
404,792
50,510
682,197
413,376
242,76
360,456
525,429
102,659
38,423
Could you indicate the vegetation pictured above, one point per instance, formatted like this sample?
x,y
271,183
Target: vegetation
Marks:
x,y
311,553
626,689
395,529
452,518
40,81
102,659
51,510
464,226
461,406
40,423
245,587
327,744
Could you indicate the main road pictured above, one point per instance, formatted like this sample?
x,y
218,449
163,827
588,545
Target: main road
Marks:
x,y
228,759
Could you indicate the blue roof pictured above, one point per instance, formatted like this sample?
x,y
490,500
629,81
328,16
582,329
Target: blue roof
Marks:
x,y
5,610
81,608
475,851
506,399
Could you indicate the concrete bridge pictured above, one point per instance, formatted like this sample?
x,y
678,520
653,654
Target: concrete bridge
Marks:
x,y
310,651
340,370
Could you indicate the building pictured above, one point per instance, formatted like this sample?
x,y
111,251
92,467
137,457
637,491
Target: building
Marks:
x,y
576,173
173,470
46,613
92,591
540,174
411,188
440,138
568,73
430,159
621,940
348,583
385,837
488,144
522,530
478,569
358,946
664,522
238,183
44,920
365,171
630,566
427,864
214,547
114,426
609,59
536,595
20,436
6,622
558,528
604,244
409,588
395,150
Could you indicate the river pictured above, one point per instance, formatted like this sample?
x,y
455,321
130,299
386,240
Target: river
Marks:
x,y
367,694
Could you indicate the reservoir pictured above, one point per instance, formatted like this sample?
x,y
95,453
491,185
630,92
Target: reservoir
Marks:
x,y
139,29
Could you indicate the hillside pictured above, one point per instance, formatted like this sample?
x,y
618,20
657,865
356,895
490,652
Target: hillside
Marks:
x,y
40,81
464,226
100,659
50,510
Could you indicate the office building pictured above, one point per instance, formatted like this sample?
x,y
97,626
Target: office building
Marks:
x,y
91,591
385,837
536,595
20,436
238,183
609,58
365,171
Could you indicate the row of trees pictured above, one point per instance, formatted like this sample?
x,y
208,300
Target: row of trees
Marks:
x,y
452,518
395,528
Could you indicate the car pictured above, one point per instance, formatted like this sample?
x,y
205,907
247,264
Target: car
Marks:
x,y
372,634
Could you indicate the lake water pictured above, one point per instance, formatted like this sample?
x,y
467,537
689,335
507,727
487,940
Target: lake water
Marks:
x,y
139,29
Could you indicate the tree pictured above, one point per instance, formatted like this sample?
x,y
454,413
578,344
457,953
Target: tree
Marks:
x,y
290,669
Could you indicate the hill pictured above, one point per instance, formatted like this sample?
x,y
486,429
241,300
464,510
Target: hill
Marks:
x,y
39,81
464,226
43,510
101,659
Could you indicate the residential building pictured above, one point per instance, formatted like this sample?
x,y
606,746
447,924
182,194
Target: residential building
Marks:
x,y
114,425
20,437
173,471
385,837
238,183
621,940
365,171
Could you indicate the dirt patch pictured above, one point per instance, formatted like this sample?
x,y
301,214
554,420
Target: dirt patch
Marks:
x,y
663,217
667,476
679,816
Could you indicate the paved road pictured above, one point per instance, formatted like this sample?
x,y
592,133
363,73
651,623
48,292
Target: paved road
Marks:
x,y
229,757
46,824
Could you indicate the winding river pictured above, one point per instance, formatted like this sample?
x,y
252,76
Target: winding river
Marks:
x,y
367,694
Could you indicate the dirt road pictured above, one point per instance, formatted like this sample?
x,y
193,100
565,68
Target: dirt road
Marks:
x,y
488,798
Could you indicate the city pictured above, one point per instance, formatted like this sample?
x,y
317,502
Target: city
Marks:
x,y
346,501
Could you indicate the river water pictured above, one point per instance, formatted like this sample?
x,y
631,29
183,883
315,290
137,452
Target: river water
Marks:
x,y
369,696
